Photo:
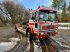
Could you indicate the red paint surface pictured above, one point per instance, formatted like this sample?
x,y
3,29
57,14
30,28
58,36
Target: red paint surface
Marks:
x,y
44,27
31,23
43,36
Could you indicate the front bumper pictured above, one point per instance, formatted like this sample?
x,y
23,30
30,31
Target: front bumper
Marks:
x,y
46,34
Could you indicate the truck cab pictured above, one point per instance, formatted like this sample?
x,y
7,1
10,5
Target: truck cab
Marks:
x,y
42,23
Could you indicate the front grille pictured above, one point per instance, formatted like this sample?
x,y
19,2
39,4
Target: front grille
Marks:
x,y
51,27
44,27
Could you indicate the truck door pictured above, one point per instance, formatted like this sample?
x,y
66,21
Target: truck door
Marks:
x,y
35,19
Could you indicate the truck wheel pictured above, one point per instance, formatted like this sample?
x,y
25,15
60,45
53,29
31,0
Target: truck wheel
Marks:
x,y
26,33
30,36
16,30
48,41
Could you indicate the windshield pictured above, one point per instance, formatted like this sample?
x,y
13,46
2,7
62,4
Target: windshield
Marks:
x,y
47,15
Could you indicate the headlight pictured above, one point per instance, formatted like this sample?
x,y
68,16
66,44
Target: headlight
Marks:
x,y
56,31
41,33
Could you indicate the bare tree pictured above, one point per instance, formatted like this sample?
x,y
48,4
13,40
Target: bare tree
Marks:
x,y
16,11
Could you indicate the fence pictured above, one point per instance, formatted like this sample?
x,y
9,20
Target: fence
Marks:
x,y
64,26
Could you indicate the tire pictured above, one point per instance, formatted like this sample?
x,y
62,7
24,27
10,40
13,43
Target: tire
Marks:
x,y
26,32
48,41
16,30
29,35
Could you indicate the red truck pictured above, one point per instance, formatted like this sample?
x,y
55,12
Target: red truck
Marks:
x,y
42,23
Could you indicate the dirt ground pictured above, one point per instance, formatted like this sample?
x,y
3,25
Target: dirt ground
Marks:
x,y
6,33
65,34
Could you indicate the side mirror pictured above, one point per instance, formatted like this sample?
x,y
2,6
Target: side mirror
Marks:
x,y
24,23
33,18
27,22
36,25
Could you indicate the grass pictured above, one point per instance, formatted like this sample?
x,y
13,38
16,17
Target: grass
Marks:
x,y
5,27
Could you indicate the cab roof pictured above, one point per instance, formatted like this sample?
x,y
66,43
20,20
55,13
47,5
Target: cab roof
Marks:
x,y
43,8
